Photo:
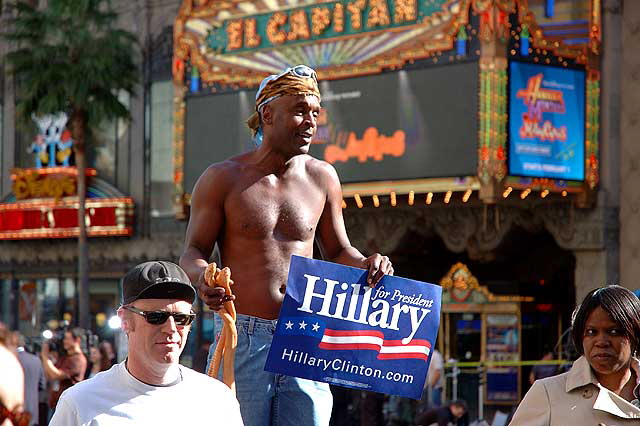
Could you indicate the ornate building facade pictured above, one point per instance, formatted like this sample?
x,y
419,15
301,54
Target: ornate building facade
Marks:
x,y
517,241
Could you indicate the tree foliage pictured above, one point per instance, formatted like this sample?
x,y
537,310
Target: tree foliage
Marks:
x,y
70,56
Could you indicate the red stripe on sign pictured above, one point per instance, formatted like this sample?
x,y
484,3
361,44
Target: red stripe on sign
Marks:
x,y
403,356
340,333
348,346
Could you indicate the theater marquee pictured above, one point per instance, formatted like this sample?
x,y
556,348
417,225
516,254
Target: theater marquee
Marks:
x,y
397,77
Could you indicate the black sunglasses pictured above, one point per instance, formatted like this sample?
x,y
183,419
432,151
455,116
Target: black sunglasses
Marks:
x,y
160,317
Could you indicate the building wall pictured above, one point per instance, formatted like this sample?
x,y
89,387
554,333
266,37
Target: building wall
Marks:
x,y
629,12
597,258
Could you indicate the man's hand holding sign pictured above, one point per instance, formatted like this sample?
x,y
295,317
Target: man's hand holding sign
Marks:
x,y
335,328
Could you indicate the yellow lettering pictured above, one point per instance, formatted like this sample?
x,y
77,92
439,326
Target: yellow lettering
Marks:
x,y
20,188
234,35
274,33
55,188
338,18
378,14
298,26
405,11
251,37
355,9
33,185
69,185
320,19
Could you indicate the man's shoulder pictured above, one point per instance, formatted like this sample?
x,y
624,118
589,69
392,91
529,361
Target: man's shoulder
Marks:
x,y
195,378
30,360
225,171
206,386
320,169
222,168
77,359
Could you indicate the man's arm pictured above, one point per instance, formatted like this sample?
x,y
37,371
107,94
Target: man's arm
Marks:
x,y
436,376
333,234
50,370
205,221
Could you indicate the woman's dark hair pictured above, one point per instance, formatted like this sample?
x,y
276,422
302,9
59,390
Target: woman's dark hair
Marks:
x,y
76,332
105,362
622,306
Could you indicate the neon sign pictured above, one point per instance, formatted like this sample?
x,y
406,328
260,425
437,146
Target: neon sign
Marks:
x,y
318,22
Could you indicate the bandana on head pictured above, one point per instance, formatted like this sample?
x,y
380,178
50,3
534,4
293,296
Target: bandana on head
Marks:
x,y
289,83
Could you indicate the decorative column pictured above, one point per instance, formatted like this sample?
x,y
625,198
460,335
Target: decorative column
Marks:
x,y
492,135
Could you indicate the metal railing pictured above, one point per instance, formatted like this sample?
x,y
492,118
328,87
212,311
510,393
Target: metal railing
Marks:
x,y
466,380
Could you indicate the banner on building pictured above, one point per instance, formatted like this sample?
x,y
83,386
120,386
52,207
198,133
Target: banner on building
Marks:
x,y
547,121
336,329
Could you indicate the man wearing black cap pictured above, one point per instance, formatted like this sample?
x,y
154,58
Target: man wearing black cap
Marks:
x,y
150,386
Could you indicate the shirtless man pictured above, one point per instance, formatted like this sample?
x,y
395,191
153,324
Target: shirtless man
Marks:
x,y
261,207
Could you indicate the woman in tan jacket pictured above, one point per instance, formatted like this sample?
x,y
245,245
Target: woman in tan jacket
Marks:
x,y
603,385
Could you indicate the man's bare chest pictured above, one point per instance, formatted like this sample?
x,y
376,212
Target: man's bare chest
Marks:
x,y
280,212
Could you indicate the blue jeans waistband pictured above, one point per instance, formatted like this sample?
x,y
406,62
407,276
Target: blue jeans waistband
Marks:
x,y
250,324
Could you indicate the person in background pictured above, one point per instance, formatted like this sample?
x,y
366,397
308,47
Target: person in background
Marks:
x,y
433,385
541,371
435,378
453,413
34,380
107,349
98,361
70,367
11,385
150,387
603,385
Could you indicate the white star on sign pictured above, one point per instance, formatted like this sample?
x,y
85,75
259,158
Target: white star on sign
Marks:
x,y
303,325
289,325
316,326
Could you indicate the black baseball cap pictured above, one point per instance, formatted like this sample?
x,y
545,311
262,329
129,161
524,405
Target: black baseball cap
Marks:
x,y
157,280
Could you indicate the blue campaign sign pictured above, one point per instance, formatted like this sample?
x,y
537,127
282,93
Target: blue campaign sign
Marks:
x,y
546,121
334,328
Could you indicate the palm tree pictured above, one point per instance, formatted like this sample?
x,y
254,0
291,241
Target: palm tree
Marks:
x,y
69,56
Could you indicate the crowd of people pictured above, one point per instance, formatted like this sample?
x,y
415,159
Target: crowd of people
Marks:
x,y
260,208
48,373
603,385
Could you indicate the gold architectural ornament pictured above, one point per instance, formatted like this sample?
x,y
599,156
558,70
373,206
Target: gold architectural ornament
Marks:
x,y
460,286
459,277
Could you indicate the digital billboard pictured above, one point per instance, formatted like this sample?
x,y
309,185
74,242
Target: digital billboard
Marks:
x,y
546,121
401,125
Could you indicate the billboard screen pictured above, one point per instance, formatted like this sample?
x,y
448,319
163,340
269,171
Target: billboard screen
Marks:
x,y
546,121
400,125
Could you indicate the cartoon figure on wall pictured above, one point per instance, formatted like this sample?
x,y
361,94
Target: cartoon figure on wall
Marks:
x,y
53,142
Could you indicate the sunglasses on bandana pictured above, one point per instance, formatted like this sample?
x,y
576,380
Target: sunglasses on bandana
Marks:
x,y
301,71
160,317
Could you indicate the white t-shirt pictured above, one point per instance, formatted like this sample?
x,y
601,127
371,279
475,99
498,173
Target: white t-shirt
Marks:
x,y
437,363
115,397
